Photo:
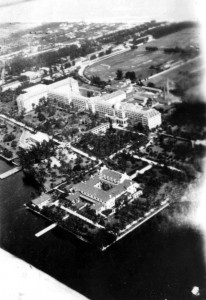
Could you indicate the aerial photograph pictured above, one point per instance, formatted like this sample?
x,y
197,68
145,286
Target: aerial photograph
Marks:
x,y
102,150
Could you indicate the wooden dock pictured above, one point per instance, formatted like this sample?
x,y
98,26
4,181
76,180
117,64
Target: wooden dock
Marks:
x,y
10,172
50,227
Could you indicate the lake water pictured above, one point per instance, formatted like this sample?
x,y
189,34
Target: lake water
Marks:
x,y
153,262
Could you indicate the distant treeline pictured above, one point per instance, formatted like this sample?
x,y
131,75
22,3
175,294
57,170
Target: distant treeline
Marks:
x,y
150,48
159,29
173,50
170,49
170,28
123,35
47,59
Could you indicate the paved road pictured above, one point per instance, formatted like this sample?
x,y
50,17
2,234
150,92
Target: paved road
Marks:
x,y
156,163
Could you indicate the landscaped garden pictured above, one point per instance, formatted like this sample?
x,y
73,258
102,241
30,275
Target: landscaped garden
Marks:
x,y
51,165
113,140
125,162
63,122
9,138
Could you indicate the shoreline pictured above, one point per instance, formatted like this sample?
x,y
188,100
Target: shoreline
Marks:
x,y
124,233
43,216
10,160
132,228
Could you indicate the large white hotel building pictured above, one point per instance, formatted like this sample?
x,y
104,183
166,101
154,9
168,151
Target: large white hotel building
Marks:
x,y
60,91
114,105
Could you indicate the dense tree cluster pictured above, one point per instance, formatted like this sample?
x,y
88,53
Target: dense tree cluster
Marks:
x,y
119,74
104,145
7,153
123,35
9,95
8,137
150,48
144,29
37,153
130,75
170,28
96,80
19,64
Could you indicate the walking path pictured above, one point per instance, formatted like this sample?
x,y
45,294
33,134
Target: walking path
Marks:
x,y
137,223
142,171
16,122
132,227
176,137
156,163
80,216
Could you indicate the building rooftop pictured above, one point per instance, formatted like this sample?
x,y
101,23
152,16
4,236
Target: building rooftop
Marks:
x,y
140,96
41,199
8,84
28,139
155,90
29,73
150,112
33,91
108,97
92,190
79,205
128,106
64,82
110,174
97,206
40,137
73,197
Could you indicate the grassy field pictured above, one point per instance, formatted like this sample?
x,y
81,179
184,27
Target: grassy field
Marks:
x,y
140,60
188,76
183,38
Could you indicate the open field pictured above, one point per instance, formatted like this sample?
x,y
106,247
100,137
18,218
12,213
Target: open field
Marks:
x,y
184,38
188,75
140,60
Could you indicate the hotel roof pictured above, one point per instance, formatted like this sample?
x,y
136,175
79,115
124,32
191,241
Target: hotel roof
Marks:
x,y
33,91
150,112
140,96
112,95
64,82
131,107
8,84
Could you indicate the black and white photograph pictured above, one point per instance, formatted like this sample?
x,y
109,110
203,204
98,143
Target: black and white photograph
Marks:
x,y
102,150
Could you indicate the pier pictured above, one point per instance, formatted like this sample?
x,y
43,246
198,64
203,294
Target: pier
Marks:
x,y
10,172
50,227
